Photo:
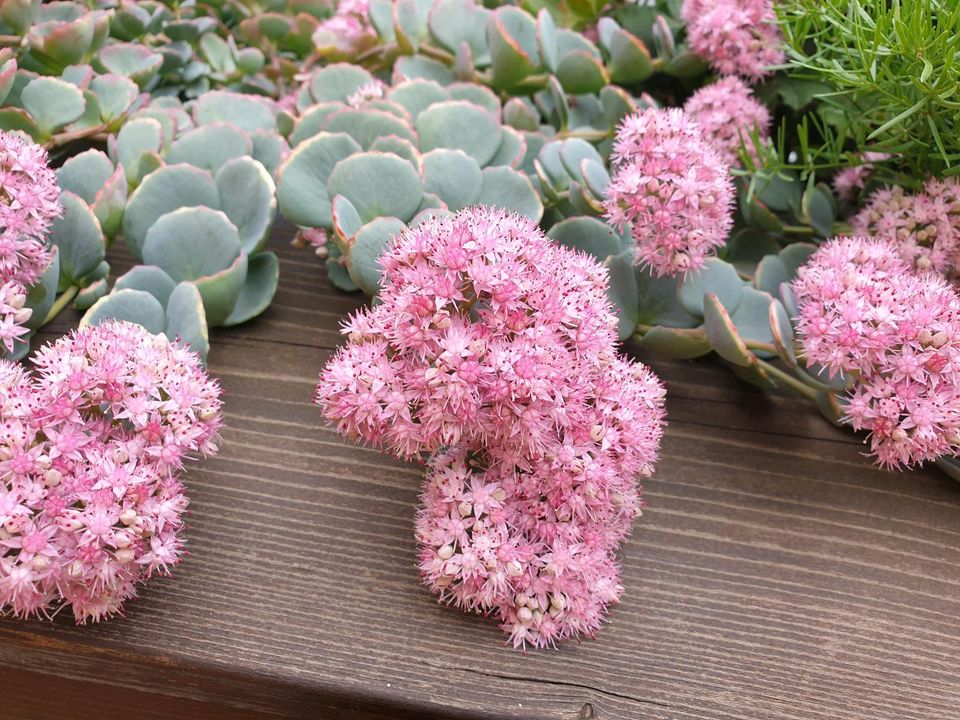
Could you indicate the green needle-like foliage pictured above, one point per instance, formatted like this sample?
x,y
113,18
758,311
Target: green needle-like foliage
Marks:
x,y
893,71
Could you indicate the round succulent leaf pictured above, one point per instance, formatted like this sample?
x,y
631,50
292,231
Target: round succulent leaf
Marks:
x,y
338,275
417,95
716,277
137,62
789,300
337,82
378,184
512,150
134,306
216,51
85,174
389,107
453,176
221,291
169,188
135,139
630,60
313,121
191,243
779,191
110,202
657,301
263,275
623,292
510,189
580,73
795,255
115,95
381,17
819,377
399,147
346,219
431,202
722,333
615,104
364,259
269,149
756,213
186,319
8,73
478,95
596,179
771,272
42,295
148,278
410,22
572,153
302,179
560,104
52,103
589,235
414,67
247,112
365,126
87,296
782,332
747,247
210,146
78,238
674,343
752,319
547,40
169,121
685,65
521,114
429,213
754,374
453,22
248,197
459,125
818,209
512,38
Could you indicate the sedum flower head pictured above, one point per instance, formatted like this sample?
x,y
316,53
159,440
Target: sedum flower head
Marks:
x,y
729,115
737,37
29,202
350,23
492,354
13,314
925,226
672,187
91,447
864,311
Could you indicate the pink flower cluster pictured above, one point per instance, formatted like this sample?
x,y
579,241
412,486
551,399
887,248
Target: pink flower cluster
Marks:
x,y
729,116
492,354
672,187
91,447
865,312
350,24
737,37
29,202
850,181
925,226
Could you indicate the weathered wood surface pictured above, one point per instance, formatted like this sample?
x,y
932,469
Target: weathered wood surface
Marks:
x,y
776,574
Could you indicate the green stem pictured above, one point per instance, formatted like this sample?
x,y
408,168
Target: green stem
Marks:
x,y
788,380
590,135
65,299
700,334
798,230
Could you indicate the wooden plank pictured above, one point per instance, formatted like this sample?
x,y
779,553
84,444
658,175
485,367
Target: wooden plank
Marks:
x,y
776,574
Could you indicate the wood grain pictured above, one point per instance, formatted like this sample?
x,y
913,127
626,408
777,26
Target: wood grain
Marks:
x,y
776,574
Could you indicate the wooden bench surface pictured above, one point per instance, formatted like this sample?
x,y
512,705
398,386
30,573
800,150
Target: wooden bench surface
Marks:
x,y
776,574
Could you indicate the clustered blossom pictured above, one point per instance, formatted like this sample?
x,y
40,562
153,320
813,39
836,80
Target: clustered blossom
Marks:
x,y
371,91
29,202
851,181
865,312
91,447
492,355
672,187
729,116
925,226
349,27
737,37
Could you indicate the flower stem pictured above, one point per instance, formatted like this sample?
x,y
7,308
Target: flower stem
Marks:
x,y
798,230
788,380
65,299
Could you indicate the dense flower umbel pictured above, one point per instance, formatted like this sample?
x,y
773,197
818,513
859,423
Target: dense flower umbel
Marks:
x,y
729,116
29,202
737,37
494,350
91,447
672,187
864,311
13,314
350,24
925,226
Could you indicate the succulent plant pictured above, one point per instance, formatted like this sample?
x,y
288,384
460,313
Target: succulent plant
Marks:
x,y
364,171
